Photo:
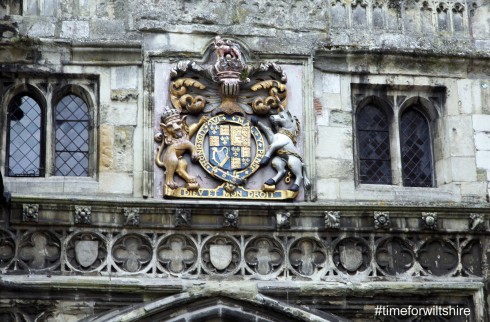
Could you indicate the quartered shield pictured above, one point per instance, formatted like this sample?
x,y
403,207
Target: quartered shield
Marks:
x,y
86,252
230,146
220,256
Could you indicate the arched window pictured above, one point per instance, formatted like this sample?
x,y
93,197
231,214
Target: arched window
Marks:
x,y
72,137
415,142
374,145
25,138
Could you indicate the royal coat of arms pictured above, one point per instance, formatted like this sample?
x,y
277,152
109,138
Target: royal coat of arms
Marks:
x,y
228,127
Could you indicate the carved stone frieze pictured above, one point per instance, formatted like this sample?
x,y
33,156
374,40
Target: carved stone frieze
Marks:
x,y
332,219
264,255
83,215
132,216
230,219
132,253
86,251
177,254
382,220
30,212
183,217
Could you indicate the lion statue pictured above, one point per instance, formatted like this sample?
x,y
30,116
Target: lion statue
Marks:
x,y
175,137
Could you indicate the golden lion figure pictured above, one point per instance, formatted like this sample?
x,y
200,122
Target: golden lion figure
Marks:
x,y
176,136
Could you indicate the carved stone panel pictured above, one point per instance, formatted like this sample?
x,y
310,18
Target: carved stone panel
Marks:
x,y
177,254
86,251
7,248
351,255
221,255
40,250
264,255
307,256
438,257
132,253
395,256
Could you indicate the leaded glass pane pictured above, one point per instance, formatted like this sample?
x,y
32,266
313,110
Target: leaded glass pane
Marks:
x,y
24,150
416,150
374,145
72,137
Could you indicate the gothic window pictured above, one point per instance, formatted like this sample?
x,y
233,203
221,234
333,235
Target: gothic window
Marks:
x,y
374,145
416,151
71,137
394,136
25,138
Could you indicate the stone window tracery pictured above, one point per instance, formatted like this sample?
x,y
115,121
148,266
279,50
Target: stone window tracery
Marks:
x,y
47,137
394,139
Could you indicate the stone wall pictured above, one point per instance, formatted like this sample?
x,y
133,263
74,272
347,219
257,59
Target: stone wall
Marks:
x,y
342,248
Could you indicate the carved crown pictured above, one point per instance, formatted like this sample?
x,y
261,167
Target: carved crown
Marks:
x,y
170,114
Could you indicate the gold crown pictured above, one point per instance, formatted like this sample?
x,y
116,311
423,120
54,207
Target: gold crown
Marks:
x,y
170,114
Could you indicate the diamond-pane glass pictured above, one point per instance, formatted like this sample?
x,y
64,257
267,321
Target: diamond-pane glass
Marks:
x,y
416,150
72,137
24,150
374,145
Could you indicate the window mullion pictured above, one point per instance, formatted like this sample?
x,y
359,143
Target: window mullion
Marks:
x,y
49,138
396,160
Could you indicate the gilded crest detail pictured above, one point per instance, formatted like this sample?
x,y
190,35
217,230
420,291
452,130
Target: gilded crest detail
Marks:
x,y
224,125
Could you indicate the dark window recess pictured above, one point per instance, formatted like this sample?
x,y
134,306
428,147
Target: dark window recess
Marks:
x,y
72,137
374,145
25,138
416,150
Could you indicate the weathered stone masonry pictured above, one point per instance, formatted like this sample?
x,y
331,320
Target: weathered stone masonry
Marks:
x,y
107,246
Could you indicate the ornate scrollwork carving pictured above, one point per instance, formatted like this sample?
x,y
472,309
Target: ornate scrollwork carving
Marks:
x,y
382,220
86,251
132,253
307,256
30,212
177,254
264,255
221,95
429,220
40,250
283,220
83,215
230,218
221,255
477,222
332,219
132,216
183,217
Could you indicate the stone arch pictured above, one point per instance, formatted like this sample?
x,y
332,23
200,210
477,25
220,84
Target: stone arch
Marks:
x,y
204,307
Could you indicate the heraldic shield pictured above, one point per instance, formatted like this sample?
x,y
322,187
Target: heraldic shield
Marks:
x,y
229,146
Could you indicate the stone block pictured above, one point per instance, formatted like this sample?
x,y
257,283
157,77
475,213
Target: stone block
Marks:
x,y
481,122
474,188
75,29
115,182
123,148
463,169
332,168
119,113
332,101
334,143
41,29
331,83
443,172
328,189
469,97
125,77
482,141
340,118
483,159
105,28
460,136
